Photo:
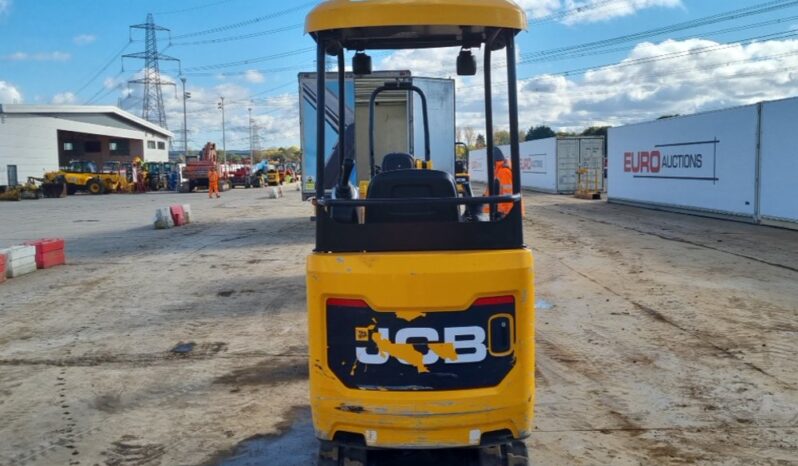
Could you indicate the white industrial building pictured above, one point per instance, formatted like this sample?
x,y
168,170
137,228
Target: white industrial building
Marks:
x,y
35,139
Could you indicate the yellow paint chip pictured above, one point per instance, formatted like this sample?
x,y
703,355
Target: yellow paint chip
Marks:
x,y
444,350
410,316
403,351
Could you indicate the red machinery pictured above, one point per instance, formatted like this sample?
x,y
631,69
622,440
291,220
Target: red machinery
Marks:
x,y
198,167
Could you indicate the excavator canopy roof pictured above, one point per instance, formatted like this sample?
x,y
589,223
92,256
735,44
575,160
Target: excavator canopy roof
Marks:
x,y
393,24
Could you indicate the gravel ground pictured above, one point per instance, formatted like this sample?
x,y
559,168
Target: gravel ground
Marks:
x,y
662,338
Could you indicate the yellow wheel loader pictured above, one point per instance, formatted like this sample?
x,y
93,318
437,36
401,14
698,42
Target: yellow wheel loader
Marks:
x,y
84,176
421,317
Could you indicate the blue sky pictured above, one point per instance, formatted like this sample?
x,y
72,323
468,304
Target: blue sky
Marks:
x,y
51,49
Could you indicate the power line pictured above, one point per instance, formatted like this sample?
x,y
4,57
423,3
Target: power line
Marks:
x,y
105,91
672,55
103,68
248,22
242,73
193,8
653,58
682,38
714,66
250,61
238,37
557,15
713,19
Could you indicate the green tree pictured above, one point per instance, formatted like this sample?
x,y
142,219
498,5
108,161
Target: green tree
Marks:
x,y
501,137
596,131
539,132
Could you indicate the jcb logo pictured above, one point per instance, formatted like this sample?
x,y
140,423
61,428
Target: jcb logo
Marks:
x,y
460,345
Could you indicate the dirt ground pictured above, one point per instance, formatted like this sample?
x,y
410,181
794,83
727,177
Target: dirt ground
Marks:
x,y
662,338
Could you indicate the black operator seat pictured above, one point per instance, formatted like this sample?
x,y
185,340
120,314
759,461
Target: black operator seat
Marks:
x,y
397,161
409,184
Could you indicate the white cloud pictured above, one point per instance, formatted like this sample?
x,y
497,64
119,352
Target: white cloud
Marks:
x,y
84,39
38,56
254,76
691,81
64,98
9,94
5,7
588,11
539,8
734,75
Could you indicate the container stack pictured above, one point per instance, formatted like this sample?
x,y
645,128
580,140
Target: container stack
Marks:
x,y
20,260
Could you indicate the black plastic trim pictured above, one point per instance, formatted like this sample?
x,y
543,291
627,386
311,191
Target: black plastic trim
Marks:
x,y
333,236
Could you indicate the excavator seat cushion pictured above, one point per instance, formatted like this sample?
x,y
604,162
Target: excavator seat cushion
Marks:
x,y
397,161
411,183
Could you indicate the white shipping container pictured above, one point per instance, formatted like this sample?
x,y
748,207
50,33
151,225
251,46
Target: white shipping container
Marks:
x,y
779,163
539,165
478,166
704,162
548,165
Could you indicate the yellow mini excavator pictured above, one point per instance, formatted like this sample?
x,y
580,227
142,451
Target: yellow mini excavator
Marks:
x,y
421,316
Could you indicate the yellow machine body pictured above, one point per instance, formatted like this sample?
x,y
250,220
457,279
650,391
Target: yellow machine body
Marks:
x,y
343,14
402,292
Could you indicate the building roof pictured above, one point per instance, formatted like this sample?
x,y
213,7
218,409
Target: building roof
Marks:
x,y
345,14
84,110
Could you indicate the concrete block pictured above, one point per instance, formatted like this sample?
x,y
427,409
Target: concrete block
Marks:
x,y
178,215
20,260
274,192
163,219
49,252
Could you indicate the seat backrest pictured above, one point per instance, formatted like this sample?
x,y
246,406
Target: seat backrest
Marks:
x,y
397,161
412,184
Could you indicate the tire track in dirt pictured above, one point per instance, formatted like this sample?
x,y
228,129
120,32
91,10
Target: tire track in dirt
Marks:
x,y
126,451
659,317
147,359
677,240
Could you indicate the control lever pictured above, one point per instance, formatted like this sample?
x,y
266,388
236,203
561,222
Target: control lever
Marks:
x,y
345,190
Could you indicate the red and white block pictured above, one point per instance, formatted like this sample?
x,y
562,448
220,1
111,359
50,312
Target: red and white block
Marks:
x,y
2,268
20,260
178,215
49,252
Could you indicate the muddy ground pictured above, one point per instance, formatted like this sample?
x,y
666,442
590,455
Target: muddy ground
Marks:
x,y
662,338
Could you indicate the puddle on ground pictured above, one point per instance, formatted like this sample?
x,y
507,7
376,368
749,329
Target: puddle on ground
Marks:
x,y
542,304
183,348
297,446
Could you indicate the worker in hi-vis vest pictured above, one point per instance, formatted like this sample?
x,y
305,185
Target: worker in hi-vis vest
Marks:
x,y
503,173
213,183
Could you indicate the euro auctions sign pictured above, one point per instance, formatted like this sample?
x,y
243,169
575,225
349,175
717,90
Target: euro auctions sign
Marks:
x,y
695,160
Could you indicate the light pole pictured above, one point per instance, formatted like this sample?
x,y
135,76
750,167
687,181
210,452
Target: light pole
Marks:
x,y
224,138
251,147
186,96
